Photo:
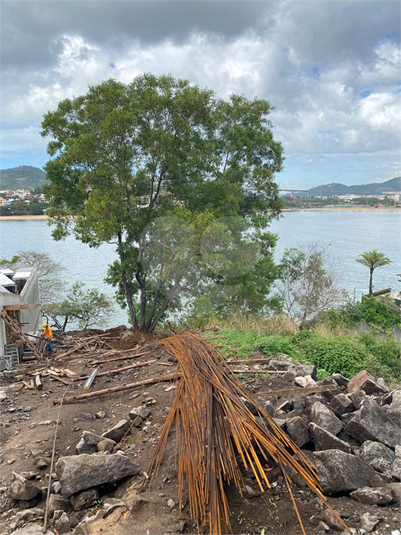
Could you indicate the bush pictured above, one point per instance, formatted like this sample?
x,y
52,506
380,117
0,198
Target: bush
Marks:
x,y
385,356
373,312
335,355
271,345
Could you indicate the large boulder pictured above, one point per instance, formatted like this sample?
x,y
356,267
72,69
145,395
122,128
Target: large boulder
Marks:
x,y
372,423
58,503
298,431
341,404
21,489
396,467
324,440
394,409
80,472
89,442
341,472
378,456
325,418
364,381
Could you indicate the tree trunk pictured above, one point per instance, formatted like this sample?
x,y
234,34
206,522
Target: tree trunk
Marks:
x,y
371,282
130,303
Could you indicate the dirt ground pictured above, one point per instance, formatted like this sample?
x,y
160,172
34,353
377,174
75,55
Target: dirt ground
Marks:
x,y
27,430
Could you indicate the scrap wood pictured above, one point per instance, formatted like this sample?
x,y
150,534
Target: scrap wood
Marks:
x,y
271,372
129,386
118,370
214,429
296,391
29,385
60,379
247,361
16,328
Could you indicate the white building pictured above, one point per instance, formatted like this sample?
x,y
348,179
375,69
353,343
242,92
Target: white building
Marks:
x,y
19,300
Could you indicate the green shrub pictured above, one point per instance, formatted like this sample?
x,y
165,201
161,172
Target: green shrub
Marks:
x,y
385,353
335,355
271,345
373,312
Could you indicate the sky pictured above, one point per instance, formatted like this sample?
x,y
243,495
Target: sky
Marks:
x,y
331,69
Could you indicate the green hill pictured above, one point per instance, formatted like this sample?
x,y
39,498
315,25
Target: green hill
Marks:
x,y
375,188
22,177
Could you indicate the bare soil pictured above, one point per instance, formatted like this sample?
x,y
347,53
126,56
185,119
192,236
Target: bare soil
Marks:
x,y
27,431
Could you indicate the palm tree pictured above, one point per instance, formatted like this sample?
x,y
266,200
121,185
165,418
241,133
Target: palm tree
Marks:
x,y
372,260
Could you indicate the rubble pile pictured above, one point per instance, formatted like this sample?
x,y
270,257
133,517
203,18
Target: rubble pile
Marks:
x,y
349,429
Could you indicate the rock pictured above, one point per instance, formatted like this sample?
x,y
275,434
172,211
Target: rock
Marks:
x,y
27,515
378,456
280,423
341,472
341,404
62,524
396,490
376,496
279,365
139,411
58,503
298,431
110,504
269,407
304,370
117,432
105,445
332,520
357,397
41,463
304,381
84,499
324,440
369,522
366,382
32,529
325,418
80,472
100,415
382,383
56,487
370,422
396,466
340,379
89,442
171,504
21,488
394,409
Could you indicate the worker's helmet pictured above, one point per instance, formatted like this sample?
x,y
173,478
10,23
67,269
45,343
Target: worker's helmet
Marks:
x,y
45,325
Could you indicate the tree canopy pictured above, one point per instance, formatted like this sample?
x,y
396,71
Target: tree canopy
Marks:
x,y
125,157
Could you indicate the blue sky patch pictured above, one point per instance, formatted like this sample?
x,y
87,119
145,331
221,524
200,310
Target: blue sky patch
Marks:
x,y
365,93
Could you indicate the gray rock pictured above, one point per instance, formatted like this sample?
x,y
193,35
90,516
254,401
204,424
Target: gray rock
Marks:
x,y
378,456
32,529
28,515
304,381
394,409
41,463
332,520
370,422
341,404
22,489
89,442
84,499
105,446
324,440
396,466
396,490
279,365
269,407
364,381
302,370
110,504
382,383
58,503
376,496
80,472
56,487
298,431
340,379
63,524
139,411
117,432
341,472
369,522
325,418
357,397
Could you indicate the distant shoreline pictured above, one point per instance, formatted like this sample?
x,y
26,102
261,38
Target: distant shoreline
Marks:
x,y
317,209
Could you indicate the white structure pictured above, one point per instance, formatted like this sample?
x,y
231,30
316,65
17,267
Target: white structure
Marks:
x,y
19,299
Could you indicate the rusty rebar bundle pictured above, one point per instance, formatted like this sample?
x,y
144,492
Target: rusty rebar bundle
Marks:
x,y
214,428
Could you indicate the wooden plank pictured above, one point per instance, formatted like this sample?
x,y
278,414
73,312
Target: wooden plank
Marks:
x,y
21,307
117,370
296,391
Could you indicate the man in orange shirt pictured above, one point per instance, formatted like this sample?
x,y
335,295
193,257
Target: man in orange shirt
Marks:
x,y
48,334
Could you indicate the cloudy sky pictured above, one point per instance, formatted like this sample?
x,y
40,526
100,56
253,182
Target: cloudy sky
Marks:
x,y
331,69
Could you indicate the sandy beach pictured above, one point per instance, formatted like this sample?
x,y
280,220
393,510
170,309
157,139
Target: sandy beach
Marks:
x,y
21,217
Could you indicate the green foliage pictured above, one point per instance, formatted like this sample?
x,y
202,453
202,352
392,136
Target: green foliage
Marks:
x,y
126,156
385,357
335,355
89,307
370,310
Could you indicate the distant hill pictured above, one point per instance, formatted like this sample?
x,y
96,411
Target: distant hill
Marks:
x,y
22,177
376,188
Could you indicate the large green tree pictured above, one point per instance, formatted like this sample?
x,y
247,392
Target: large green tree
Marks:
x,y
373,260
125,156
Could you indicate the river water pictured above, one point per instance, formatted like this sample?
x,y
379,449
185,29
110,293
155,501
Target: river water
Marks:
x,y
347,233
